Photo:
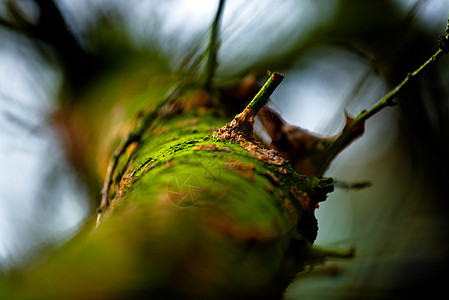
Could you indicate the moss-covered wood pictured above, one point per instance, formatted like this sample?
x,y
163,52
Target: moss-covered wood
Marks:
x,y
190,215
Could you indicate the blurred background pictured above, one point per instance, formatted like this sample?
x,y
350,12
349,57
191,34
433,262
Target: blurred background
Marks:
x,y
337,55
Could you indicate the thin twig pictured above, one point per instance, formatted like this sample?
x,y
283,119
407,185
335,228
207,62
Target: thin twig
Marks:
x,y
352,185
387,101
265,92
212,49
8,24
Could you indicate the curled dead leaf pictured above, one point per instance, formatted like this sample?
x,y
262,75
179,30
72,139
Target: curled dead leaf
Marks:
x,y
309,154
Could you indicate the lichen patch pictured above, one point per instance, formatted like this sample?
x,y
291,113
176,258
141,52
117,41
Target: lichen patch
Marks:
x,y
125,183
187,122
303,198
282,171
211,147
169,164
241,130
291,210
246,170
261,232
269,188
265,155
272,177
160,130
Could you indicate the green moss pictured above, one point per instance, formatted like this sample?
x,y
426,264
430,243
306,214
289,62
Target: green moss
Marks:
x,y
161,160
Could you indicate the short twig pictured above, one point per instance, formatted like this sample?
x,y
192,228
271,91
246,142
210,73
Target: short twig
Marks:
x,y
265,92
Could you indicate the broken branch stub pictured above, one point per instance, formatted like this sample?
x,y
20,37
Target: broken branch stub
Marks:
x,y
241,128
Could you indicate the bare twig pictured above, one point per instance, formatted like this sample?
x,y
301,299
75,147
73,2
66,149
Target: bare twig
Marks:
x,y
388,100
212,49
7,24
265,92
352,185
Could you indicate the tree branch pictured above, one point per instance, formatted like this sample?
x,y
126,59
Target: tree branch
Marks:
x,y
347,135
212,49
388,99
8,25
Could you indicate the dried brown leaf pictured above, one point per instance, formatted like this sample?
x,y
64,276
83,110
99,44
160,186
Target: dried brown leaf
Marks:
x,y
309,154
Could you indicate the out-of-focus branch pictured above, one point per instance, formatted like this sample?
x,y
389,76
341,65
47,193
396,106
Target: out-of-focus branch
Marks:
x,y
7,24
347,135
51,28
212,49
